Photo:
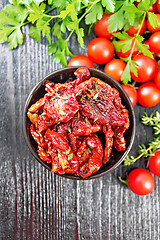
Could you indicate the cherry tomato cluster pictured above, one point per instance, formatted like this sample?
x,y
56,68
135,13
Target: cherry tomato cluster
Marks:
x,y
100,50
141,181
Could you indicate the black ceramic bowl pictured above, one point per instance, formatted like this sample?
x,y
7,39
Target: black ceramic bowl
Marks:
x,y
61,76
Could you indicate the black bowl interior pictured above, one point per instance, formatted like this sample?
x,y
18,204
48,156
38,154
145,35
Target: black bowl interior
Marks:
x,y
61,76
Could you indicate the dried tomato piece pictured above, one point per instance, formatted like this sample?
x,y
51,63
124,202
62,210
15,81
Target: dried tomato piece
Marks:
x,y
61,105
108,132
49,86
37,105
56,166
94,163
64,151
119,141
96,101
38,137
33,118
44,155
73,142
44,122
82,74
63,129
83,127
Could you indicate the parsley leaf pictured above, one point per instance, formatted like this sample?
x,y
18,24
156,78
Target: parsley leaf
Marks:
x,y
70,156
69,129
92,168
126,77
89,150
116,21
94,14
109,5
11,21
152,19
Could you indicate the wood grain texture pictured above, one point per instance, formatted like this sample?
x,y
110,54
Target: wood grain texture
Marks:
x,y
35,204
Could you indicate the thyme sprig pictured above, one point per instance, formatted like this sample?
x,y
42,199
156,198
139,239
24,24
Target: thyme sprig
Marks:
x,y
154,145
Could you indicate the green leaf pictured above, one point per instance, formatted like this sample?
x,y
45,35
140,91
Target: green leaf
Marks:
x,y
95,119
121,35
18,12
126,76
57,30
95,135
89,150
59,49
15,38
62,112
7,20
60,4
130,13
144,5
67,151
35,33
52,48
4,33
144,49
127,46
92,168
70,10
116,21
28,2
85,2
69,129
129,160
152,19
95,96
80,35
59,57
94,14
124,45
70,156
109,5
133,68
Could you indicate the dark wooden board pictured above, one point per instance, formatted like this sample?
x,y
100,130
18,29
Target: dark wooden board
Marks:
x,y
35,204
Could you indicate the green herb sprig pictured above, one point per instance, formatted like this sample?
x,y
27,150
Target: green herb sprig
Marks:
x,y
66,21
61,19
153,146
70,156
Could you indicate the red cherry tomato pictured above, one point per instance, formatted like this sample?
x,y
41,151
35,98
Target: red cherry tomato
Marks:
x,y
154,164
115,68
156,29
147,44
154,42
132,30
141,181
146,68
131,92
100,50
157,78
122,54
81,60
101,27
158,6
148,94
153,8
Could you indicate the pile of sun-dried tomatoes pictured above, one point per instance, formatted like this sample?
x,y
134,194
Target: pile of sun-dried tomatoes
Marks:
x,y
71,120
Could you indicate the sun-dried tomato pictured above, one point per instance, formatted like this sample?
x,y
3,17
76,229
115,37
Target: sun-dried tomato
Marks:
x,y
94,146
60,144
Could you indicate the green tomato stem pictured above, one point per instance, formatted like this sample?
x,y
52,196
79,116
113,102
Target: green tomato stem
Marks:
x,y
123,181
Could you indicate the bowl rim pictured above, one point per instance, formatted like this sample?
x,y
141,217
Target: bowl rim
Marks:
x,y
132,115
